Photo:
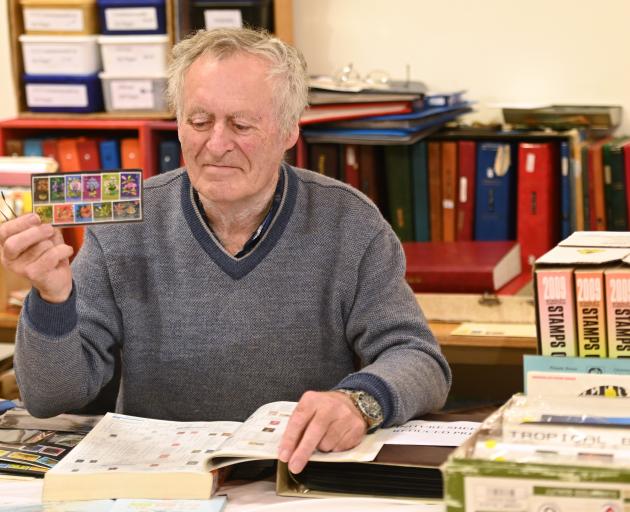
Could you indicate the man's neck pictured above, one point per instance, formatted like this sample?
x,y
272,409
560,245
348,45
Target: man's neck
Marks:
x,y
234,224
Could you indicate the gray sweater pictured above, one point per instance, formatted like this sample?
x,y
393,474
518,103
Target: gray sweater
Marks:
x,y
205,336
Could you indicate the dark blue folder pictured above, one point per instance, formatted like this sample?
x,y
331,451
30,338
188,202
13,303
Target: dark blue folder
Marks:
x,y
495,196
109,151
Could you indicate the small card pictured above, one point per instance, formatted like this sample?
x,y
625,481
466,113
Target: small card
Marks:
x,y
95,197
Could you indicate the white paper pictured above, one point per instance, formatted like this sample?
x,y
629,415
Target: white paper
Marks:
x,y
52,95
66,20
432,433
220,18
127,18
20,491
132,94
215,504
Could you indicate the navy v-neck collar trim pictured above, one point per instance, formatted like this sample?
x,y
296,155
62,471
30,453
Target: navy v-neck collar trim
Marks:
x,y
237,268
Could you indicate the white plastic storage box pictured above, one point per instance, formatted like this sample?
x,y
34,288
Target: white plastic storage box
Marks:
x,y
134,94
59,17
60,55
134,55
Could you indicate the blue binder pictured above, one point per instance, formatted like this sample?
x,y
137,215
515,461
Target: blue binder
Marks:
x,y
495,197
109,151
169,154
33,147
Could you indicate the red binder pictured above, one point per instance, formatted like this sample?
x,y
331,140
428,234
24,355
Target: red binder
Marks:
x,y
130,154
68,154
89,158
466,158
538,219
596,187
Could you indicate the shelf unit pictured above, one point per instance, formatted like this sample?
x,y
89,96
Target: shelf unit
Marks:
x,y
283,23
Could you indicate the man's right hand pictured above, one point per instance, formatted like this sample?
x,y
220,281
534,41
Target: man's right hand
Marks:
x,y
37,252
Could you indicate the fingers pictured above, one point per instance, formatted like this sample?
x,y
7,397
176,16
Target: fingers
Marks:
x,y
15,226
18,243
327,421
50,259
296,426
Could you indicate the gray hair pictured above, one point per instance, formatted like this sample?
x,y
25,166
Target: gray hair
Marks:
x,y
287,67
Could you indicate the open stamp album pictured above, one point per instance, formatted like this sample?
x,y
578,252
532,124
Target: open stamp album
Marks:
x,y
132,457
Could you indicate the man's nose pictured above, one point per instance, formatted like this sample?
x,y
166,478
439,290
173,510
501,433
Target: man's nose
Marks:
x,y
219,140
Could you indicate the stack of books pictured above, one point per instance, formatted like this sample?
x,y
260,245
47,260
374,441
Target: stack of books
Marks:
x,y
403,113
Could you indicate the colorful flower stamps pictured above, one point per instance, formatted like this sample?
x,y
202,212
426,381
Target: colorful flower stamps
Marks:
x,y
95,197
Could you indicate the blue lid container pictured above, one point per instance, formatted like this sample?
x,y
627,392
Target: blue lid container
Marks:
x,y
128,17
63,93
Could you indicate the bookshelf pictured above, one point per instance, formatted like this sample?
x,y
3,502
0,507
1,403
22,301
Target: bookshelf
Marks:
x,y
283,25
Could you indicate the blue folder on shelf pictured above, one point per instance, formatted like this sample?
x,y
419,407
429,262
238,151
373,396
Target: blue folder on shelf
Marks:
x,y
377,136
109,151
495,197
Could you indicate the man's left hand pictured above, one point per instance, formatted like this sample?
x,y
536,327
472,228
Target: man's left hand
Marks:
x,y
324,420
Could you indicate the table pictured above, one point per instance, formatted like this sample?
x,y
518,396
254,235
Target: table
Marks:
x,y
257,496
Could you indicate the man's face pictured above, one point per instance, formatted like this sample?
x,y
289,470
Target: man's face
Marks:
x,y
230,136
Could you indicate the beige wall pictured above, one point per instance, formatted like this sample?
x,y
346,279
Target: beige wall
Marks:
x,y
501,51
7,93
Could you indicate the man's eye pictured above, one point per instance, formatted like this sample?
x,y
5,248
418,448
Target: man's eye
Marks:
x,y
241,127
199,125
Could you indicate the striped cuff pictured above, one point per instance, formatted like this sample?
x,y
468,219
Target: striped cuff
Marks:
x,y
51,319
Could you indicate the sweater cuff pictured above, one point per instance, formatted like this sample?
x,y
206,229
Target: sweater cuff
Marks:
x,y
373,385
51,319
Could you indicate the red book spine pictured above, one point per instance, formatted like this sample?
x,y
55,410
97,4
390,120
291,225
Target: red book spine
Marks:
x,y
538,196
465,190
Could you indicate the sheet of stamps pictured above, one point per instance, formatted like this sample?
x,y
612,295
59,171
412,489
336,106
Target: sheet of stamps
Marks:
x,y
95,197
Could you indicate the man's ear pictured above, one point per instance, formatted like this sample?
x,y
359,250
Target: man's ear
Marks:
x,y
292,137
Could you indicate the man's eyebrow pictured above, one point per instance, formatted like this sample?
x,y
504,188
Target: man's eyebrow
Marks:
x,y
197,110
243,114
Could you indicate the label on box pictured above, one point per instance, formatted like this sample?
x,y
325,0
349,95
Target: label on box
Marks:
x,y
66,20
132,94
52,58
131,18
56,95
218,18
493,494
129,58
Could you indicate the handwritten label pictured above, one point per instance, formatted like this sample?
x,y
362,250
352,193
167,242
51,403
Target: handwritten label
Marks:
x,y
65,20
126,18
218,18
52,95
132,94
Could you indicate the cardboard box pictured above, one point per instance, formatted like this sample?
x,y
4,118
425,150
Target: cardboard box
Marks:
x,y
557,297
478,485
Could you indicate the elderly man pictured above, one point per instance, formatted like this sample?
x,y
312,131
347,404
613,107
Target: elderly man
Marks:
x,y
249,281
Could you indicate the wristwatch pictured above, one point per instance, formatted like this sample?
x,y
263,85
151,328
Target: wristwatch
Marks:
x,y
367,405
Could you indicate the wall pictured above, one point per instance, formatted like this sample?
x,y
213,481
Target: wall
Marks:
x,y
500,51
7,94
